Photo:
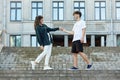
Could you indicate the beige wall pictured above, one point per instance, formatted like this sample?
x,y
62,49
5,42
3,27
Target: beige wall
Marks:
x,y
1,1
26,26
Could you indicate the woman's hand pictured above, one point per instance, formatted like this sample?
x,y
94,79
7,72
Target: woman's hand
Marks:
x,y
42,48
60,28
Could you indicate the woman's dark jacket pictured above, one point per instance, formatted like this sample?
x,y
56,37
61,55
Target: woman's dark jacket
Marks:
x,y
42,32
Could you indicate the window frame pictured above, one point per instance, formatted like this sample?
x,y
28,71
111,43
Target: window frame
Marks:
x,y
80,7
36,2
37,44
100,18
58,19
15,36
15,8
116,9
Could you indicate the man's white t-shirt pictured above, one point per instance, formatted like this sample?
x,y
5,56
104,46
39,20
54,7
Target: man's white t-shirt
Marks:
x,y
77,28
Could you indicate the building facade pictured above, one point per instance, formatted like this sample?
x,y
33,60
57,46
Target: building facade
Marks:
x,y
102,19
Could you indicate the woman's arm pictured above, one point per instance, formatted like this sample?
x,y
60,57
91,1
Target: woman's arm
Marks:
x,y
39,37
52,29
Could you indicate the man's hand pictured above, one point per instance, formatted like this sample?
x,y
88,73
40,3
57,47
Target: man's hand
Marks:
x,y
64,30
82,40
42,48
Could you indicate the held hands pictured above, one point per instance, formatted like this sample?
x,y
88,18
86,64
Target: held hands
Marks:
x,y
62,29
42,48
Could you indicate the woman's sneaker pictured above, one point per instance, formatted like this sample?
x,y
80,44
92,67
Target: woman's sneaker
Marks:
x,y
47,68
33,65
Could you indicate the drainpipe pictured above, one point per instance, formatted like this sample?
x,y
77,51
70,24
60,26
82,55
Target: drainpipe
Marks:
x,y
4,36
111,27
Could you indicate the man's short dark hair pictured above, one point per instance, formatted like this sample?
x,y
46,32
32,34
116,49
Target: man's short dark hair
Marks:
x,y
77,12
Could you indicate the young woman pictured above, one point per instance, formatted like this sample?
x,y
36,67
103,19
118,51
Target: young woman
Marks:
x,y
45,41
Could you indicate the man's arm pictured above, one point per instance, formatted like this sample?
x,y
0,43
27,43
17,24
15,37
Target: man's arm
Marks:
x,y
83,34
69,32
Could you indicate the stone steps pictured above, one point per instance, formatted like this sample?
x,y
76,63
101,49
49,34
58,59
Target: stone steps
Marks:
x,y
58,66
1,46
15,64
19,58
60,75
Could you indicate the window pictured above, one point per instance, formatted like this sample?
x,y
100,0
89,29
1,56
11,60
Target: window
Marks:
x,y
15,11
80,6
37,9
15,41
100,12
58,10
34,42
118,10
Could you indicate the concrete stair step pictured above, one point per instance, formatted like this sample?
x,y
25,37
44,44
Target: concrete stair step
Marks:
x,y
60,75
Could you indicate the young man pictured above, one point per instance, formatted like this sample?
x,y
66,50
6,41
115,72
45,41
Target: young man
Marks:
x,y
79,37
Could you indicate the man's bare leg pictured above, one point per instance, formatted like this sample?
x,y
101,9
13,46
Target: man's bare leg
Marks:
x,y
84,56
75,60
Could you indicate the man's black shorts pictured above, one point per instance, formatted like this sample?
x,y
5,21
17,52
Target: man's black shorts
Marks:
x,y
77,47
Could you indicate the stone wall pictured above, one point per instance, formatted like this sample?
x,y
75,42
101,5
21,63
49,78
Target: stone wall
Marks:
x,y
104,58
15,64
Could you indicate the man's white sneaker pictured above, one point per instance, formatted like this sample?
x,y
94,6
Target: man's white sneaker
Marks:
x,y
33,65
47,68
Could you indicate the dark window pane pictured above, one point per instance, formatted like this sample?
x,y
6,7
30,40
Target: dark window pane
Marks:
x,y
18,41
15,41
